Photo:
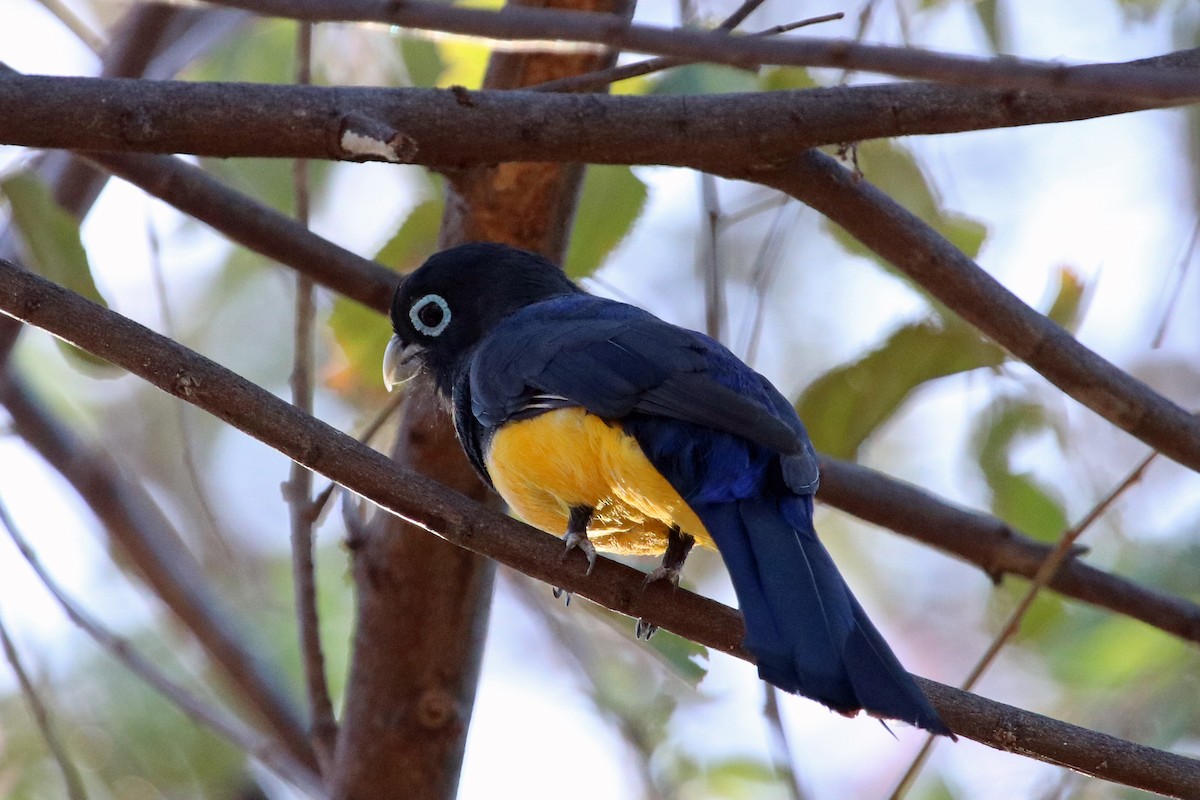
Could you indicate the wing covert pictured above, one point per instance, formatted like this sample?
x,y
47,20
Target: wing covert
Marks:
x,y
614,360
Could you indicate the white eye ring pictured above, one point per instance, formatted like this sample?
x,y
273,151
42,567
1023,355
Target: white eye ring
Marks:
x,y
419,306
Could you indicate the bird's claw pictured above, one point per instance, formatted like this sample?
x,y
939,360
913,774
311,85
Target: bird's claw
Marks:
x,y
576,540
644,630
663,573
560,592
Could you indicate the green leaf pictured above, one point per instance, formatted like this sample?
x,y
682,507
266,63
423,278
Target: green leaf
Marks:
x,y
785,78
687,659
893,170
51,235
1067,307
422,61
360,332
417,237
1017,497
845,405
54,249
611,201
988,14
362,335
706,79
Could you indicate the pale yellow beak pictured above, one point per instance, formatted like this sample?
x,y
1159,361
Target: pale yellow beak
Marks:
x,y
400,363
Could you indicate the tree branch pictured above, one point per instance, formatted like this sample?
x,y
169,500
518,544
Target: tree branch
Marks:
x,y
191,377
976,538
455,129
915,248
532,24
993,546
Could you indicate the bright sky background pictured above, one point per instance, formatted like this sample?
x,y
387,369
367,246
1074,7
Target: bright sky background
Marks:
x,y
1106,197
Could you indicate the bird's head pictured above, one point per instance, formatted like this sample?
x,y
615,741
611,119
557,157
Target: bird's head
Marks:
x,y
443,308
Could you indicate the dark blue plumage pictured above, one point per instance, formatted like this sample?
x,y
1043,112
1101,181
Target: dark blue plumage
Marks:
x,y
726,440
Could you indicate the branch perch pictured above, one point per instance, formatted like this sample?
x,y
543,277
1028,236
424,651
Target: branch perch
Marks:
x,y
454,129
191,377
974,537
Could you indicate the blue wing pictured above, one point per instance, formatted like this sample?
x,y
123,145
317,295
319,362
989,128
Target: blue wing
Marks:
x,y
616,360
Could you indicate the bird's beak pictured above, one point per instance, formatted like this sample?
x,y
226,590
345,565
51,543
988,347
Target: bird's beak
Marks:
x,y
400,363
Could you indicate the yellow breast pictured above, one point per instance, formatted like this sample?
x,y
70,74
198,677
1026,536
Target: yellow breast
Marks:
x,y
548,464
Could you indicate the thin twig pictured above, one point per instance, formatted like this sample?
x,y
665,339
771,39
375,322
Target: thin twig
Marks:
x,y
604,77
1061,552
41,716
765,265
710,258
1173,294
298,489
543,25
393,403
781,748
583,651
187,450
425,503
95,40
218,721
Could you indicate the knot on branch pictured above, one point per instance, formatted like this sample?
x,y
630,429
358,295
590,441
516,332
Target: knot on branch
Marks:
x,y
436,709
138,126
184,384
363,138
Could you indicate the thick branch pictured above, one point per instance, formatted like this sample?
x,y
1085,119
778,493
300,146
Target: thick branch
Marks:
x,y
445,129
993,546
923,254
974,537
255,226
191,377
531,24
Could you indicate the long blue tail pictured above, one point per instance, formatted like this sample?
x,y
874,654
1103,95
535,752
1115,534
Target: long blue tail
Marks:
x,y
803,625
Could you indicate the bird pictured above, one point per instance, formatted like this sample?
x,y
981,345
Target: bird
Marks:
x,y
601,423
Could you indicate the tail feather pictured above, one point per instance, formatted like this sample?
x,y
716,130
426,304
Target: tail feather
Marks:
x,y
805,628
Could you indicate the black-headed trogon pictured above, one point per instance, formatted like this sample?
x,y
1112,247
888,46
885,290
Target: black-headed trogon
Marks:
x,y
599,422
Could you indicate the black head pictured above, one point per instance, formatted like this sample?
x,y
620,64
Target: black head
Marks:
x,y
442,309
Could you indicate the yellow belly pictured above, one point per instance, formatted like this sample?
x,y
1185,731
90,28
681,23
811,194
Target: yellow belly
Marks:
x,y
546,465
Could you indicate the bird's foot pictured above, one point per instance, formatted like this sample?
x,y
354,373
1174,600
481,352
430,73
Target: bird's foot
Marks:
x,y
575,540
679,544
576,536
561,593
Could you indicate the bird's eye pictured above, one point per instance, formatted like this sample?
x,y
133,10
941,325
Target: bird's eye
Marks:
x,y
430,315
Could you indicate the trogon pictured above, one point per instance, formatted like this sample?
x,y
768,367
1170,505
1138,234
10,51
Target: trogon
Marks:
x,y
597,421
